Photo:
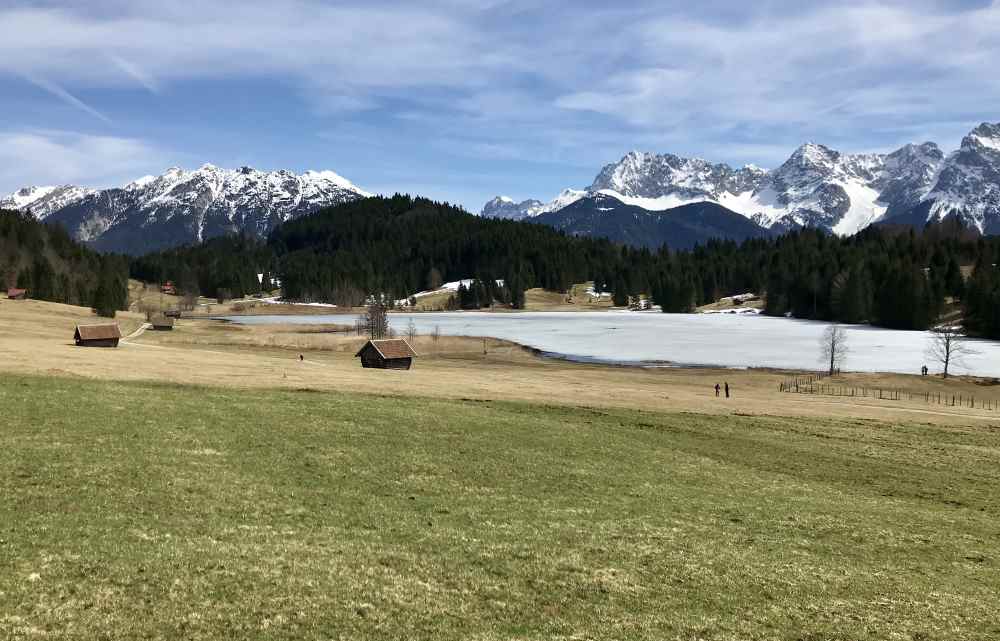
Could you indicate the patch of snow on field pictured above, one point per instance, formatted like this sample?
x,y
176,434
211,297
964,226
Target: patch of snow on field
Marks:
x,y
735,310
274,300
449,287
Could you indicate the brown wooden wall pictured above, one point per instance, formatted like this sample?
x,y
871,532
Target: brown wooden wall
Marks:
x,y
102,342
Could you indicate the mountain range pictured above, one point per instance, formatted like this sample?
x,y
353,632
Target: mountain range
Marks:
x,y
816,187
179,207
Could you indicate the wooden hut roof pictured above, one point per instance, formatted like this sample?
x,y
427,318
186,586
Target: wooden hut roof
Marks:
x,y
390,348
98,332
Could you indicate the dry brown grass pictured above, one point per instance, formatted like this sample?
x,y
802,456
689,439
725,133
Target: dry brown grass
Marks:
x,y
728,305
35,338
143,296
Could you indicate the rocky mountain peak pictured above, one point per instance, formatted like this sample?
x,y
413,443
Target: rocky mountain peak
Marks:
x,y
819,186
181,206
983,139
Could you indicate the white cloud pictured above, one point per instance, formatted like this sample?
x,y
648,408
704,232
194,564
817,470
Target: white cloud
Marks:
x,y
61,157
570,85
839,67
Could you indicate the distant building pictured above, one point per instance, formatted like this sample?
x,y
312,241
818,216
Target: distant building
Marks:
x,y
391,353
17,294
162,323
168,287
106,335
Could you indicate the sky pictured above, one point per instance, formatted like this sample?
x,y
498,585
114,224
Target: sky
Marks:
x,y
462,100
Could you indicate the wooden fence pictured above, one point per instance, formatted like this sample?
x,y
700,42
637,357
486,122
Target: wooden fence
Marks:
x,y
814,385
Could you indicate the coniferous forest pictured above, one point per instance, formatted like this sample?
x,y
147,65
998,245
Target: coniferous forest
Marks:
x,y
893,277
51,266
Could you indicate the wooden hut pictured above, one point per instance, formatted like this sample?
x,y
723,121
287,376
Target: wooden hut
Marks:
x,y
391,353
17,294
106,335
162,323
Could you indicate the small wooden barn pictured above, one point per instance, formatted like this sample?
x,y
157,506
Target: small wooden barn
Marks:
x,y
162,323
105,335
390,353
17,294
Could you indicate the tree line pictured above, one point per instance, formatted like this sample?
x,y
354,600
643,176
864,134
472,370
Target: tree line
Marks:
x,y
395,246
44,260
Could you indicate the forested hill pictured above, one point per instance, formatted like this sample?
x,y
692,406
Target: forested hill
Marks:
x,y
397,246
50,265
393,245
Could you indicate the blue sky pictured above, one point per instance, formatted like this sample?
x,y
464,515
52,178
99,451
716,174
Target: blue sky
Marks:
x,y
464,99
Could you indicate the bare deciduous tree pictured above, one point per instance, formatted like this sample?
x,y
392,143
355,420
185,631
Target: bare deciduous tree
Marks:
x,y
948,346
411,330
376,320
436,334
833,347
189,302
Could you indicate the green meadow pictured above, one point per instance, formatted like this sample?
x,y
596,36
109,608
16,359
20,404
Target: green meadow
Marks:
x,y
145,511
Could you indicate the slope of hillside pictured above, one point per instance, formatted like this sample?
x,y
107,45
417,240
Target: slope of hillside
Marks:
x,y
601,215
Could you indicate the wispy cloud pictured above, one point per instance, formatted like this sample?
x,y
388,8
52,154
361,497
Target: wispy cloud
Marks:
x,y
66,96
61,157
133,71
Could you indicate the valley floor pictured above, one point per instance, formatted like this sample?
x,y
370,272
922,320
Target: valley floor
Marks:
x,y
36,338
204,483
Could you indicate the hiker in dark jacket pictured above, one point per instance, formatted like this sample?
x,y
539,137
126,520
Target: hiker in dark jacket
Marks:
x,y
716,390
727,389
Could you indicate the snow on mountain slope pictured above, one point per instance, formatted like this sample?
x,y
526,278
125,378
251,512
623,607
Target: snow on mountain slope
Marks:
x,y
507,207
182,206
968,184
42,201
820,187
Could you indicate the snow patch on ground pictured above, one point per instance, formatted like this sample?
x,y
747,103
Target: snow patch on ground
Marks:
x,y
274,300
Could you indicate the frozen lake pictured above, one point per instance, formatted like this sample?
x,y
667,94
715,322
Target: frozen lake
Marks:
x,y
681,339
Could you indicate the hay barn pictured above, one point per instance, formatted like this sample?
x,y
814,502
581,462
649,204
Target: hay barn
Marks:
x,y
391,353
106,335
162,323
17,294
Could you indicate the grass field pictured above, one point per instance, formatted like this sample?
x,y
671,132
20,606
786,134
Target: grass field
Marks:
x,y
136,510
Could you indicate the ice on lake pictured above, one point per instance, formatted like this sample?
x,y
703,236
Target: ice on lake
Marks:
x,y
682,339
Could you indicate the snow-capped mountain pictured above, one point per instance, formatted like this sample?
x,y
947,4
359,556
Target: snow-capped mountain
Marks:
x,y
968,184
181,206
818,186
505,207
42,201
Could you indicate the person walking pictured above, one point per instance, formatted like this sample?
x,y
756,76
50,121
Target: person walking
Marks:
x,y
727,389
716,390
